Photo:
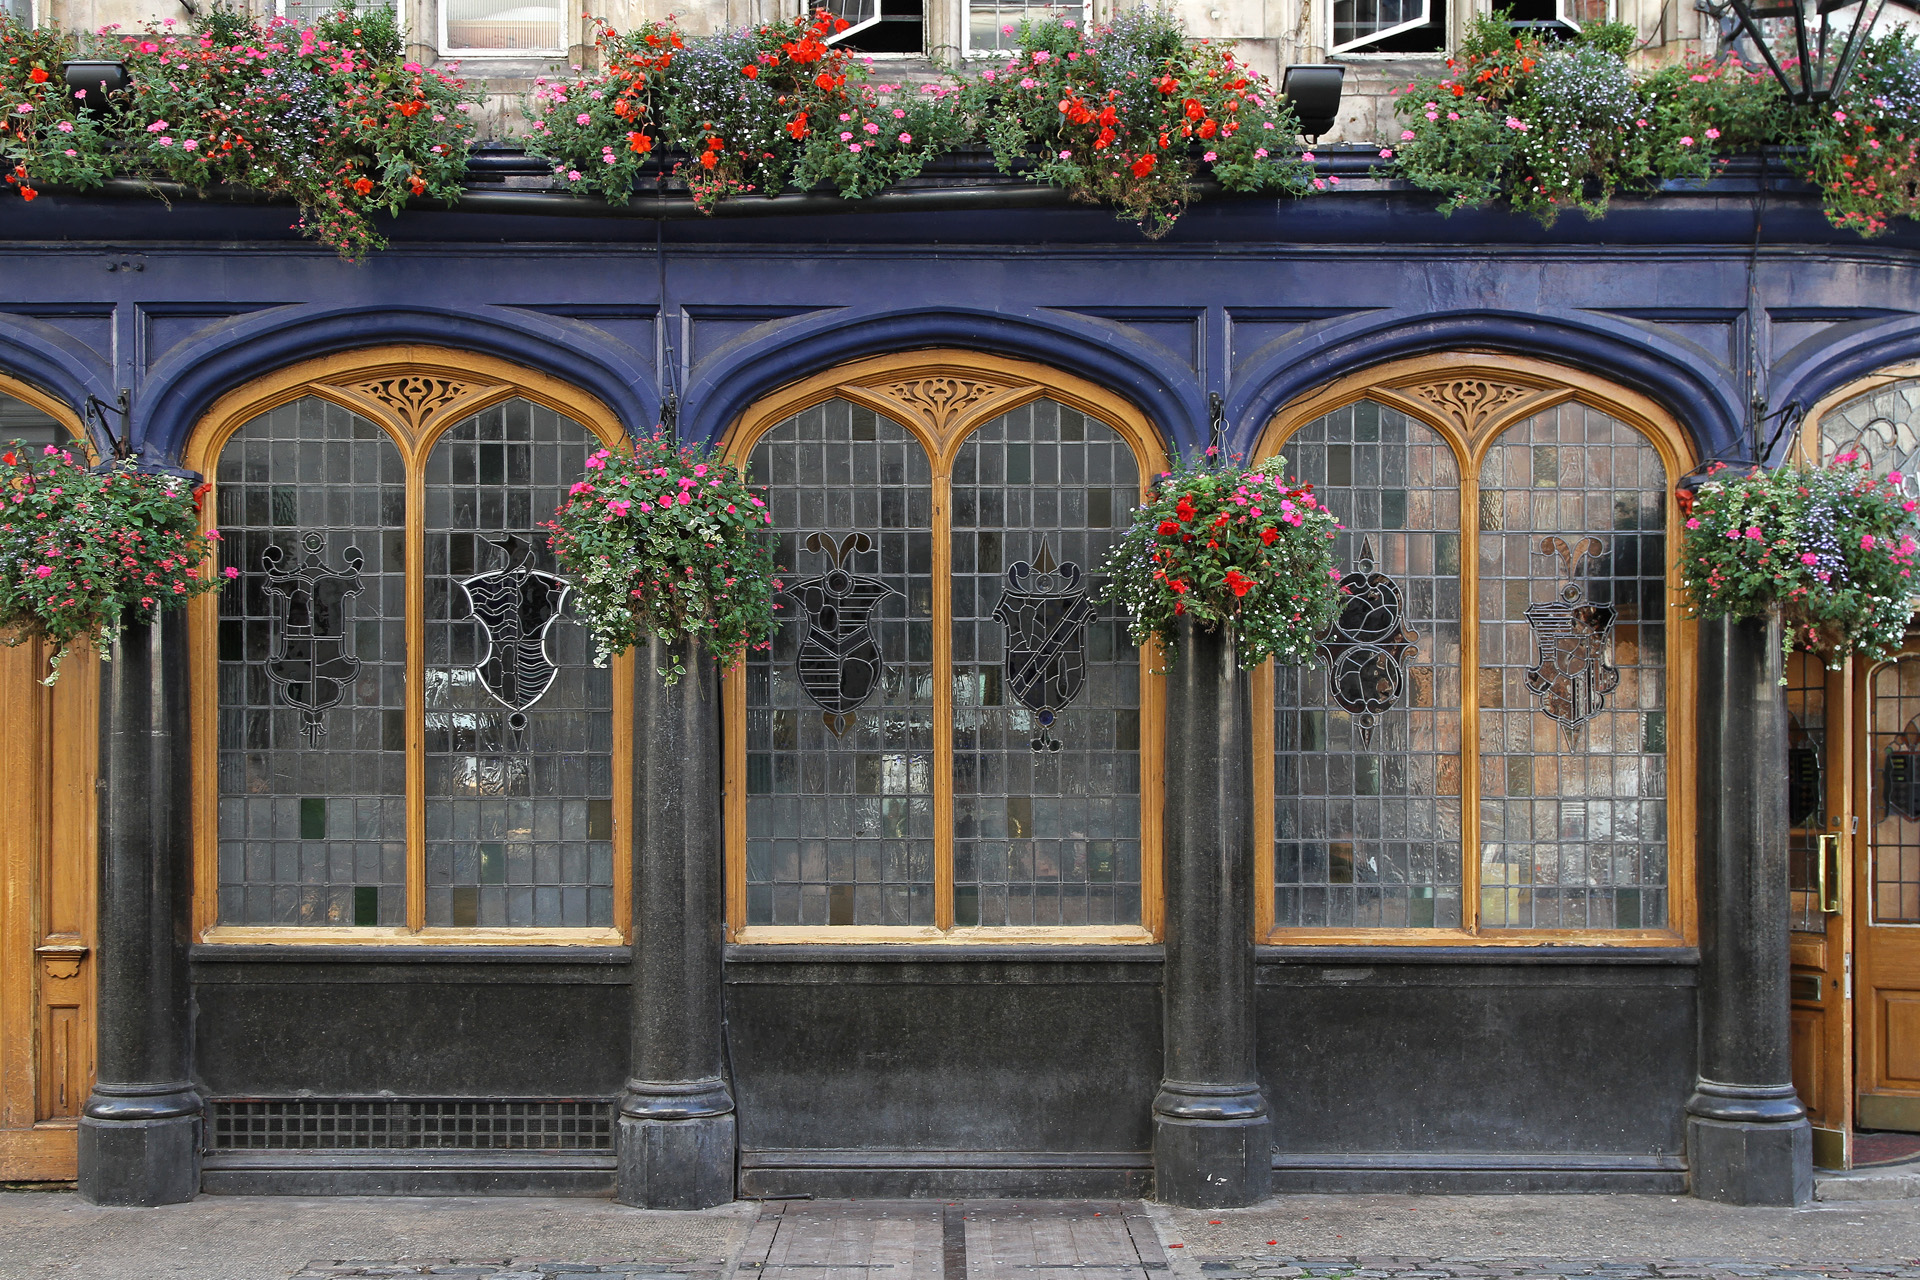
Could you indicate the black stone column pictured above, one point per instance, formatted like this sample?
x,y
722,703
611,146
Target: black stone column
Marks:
x,y
676,1133
1748,1140
1212,1137
140,1129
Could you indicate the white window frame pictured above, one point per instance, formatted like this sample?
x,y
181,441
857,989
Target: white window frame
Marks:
x,y
1362,44
966,26
447,50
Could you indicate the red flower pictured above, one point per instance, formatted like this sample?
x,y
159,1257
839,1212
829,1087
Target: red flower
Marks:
x,y
1239,583
38,75
1268,536
1143,166
1167,527
708,159
750,71
362,186
9,459
639,143
798,126
825,81
1207,129
1185,509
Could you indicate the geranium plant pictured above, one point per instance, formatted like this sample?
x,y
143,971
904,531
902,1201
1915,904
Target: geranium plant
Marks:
x,y
1832,546
1864,146
667,542
330,116
82,551
1126,114
1228,546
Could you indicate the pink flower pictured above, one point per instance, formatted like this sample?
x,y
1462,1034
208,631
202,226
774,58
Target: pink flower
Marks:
x,y
618,506
1693,523
1808,558
1866,542
1686,142
1713,133
685,498
231,572
582,118
906,137
596,464
43,571
1753,532
579,487
700,470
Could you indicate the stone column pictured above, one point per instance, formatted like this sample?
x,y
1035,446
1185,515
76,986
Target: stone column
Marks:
x,y
1212,1136
1748,1140
676,1132
140,1128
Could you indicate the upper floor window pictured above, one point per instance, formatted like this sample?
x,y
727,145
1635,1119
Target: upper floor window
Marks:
x,y
880,26
502,28
948,733
991,25
1387,26
408,733
1486,748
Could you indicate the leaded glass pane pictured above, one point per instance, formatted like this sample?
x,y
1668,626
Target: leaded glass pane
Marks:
x,y
1893,790
1806,789
1883,426
312,671
21,421
1367,747
1572,680
519,729
840,708
1046,684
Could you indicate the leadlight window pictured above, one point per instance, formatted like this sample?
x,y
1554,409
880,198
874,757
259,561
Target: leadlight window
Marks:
x,y
1484,748
946,733
1387,26
21,421
501,28
992,25
410,732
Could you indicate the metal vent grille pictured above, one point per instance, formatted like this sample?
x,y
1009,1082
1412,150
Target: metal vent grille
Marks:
x,y
461,1124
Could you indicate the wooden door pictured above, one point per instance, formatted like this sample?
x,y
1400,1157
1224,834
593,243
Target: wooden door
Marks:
x,y
1820,789
48,760
1887,928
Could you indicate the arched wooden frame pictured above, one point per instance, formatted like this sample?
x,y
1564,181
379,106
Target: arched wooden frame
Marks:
x,y
1469,398
414,393
47,884
1806,445
940,396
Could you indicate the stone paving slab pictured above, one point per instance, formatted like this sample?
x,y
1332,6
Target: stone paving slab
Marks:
x,y
513,1268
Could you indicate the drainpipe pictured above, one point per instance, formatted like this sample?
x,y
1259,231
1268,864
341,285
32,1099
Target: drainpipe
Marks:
x,y
1748,1139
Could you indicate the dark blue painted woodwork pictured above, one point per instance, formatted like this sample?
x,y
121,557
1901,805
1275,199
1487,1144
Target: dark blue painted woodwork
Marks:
x,y
1256,300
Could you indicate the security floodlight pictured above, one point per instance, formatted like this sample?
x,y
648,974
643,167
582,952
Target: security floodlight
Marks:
x,y
95,78
1313,91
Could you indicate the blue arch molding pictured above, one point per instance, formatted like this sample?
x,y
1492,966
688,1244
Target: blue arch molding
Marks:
x,y
183,387
1707,408
57,364
1857,356
1165,392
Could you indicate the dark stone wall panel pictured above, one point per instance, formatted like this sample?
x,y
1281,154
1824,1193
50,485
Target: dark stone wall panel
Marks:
x,y
1400,1060
985,1066
437,1039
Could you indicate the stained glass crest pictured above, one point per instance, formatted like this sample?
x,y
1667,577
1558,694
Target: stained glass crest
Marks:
x,y
515,605
1045,610
311,660
839,662
1367,646
1571,676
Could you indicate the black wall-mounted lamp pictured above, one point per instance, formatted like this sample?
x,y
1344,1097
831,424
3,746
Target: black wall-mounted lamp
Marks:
x,y
1312,89
1814,64
96,78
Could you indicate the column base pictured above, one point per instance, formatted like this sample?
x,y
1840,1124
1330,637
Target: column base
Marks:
x,y
675,1144
1749,1162
139,1162
1212,1146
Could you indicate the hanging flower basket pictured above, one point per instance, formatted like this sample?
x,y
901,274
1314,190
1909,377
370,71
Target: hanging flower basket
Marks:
x,y
82,551
671,543
1233,547
1831,546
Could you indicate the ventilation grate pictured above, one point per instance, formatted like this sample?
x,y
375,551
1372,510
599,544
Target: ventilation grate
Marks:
x,y
460,1124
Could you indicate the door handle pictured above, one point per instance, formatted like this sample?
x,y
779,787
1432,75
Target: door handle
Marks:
x,y
1827,877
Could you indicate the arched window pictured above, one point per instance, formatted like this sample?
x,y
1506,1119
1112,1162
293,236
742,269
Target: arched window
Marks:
x,y
1488,748
948,737
409,738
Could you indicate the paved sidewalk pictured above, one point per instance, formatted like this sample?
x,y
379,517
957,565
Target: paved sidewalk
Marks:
x,y
57,1236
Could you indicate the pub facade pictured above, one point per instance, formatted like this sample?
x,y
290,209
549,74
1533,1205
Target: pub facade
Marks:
x,y
311,889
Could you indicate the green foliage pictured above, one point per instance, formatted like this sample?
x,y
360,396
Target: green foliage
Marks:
x,y
1832,546
1864,147
667,542
1228,546
331,118
83,550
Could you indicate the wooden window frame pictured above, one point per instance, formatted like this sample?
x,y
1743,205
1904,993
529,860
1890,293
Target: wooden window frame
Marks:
x,y
414,394
1469,398
939,397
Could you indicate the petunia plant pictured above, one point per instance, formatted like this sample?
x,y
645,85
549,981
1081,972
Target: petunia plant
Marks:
x,y
83,550
667,542
1228,546
1831,546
